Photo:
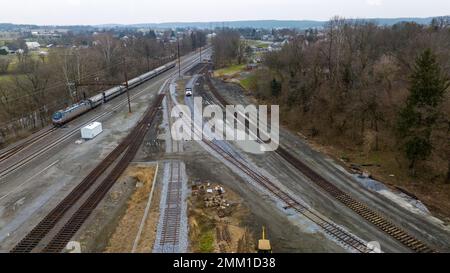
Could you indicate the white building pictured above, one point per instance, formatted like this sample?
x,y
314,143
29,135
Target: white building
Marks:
x,y
33,45
5,48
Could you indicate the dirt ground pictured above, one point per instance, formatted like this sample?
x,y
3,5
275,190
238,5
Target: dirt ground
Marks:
x,y
391,169
123,238
388,167
426,228
255,211
218,228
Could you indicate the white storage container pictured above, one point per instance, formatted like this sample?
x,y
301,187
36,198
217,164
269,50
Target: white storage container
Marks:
x,y
91,131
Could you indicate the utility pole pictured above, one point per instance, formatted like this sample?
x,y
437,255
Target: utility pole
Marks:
x,y
179,58
96,82
73,90
200,53
126,85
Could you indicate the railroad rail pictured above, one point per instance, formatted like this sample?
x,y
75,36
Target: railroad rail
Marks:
x,y
14,150
62,139
130,146
363,210
172,212
27,143
342,236
330,228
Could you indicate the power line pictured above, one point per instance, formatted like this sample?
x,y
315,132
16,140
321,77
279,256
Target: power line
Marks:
x,y
62,84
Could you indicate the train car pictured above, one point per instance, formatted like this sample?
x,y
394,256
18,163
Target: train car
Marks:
x,y
112,93
160,69
135,82
96,100
170,66
148,75
63,116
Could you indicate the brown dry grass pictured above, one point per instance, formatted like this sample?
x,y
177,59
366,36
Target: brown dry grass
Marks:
x,y
123,237
181,84
205,220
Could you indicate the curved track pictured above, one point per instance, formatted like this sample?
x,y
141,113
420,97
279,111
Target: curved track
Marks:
x,y
122,154
346,199
130,146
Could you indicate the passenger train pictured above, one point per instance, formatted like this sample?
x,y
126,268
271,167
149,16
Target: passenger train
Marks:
x,y
61,117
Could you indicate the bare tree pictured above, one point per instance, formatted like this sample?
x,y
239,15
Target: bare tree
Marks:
x,y
109,47
4,64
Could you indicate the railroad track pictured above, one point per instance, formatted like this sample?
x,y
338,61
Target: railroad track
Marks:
x,y
172,212
361,209
336,232
27,143
358,207
62,139
130,146
333,230
7,154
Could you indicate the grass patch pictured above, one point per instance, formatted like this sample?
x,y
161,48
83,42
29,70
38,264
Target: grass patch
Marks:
x,y
248,83
259,44
230,70
263,46
5,78
206,242
201,232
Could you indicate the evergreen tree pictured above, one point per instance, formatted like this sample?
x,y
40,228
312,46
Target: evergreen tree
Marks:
x,y
418,118
276,88
151,34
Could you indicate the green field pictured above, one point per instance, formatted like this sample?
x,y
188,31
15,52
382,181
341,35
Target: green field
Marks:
x,y
260,44
5,78
248,82
14,60
230,70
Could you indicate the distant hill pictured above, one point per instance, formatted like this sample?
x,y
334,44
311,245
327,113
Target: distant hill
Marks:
x,y
267,24
12,27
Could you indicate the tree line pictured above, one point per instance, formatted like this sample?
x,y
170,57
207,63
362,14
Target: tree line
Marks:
x,y
34,85
228,48
363,85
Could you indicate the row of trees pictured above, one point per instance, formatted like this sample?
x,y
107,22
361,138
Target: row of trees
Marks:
x,y
228,48
37,85
382,88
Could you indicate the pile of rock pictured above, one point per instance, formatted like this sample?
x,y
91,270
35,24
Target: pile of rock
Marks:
x,y
213,197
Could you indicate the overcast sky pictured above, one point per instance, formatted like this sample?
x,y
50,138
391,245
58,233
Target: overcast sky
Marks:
x,y
68,12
